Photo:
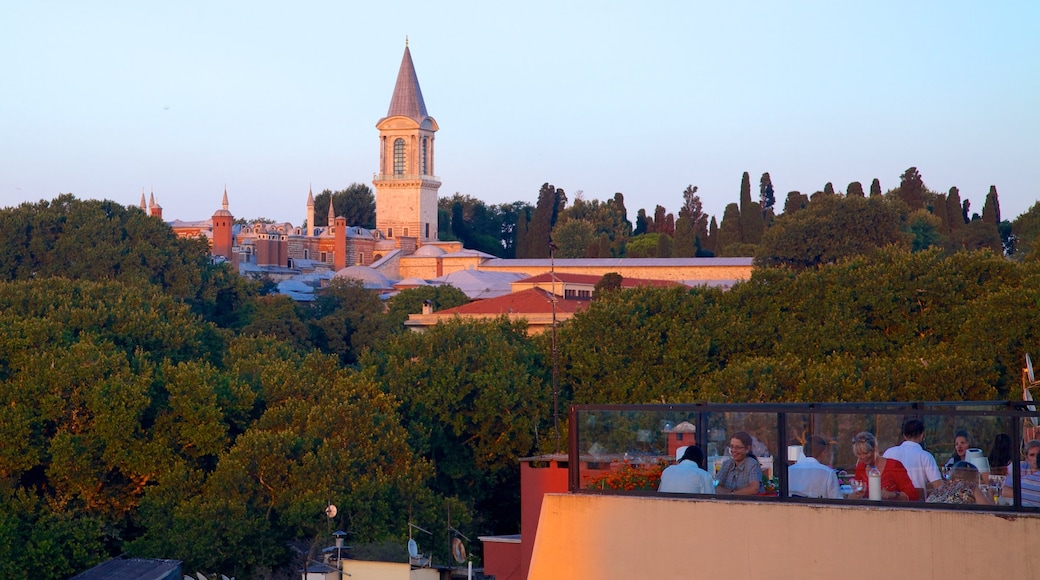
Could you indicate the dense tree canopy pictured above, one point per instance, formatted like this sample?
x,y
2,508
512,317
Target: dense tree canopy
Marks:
x,y
357,203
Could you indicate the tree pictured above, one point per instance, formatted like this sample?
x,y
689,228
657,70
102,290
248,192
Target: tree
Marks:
x,y
831,228
610,282
642,223
751,221
875,188
795,201
855,189
828,188
536,240
575,239
411,301
356,203
911,189
729,230
766,197
643,246
345,319
474,415
1025,231
98,240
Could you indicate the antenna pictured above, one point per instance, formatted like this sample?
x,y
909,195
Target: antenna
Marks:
x,y
413,546
555,351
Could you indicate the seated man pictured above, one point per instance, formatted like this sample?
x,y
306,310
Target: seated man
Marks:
x,y
808,477
1030,490
686,476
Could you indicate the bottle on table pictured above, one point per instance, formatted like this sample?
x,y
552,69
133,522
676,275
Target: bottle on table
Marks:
x,y
874,483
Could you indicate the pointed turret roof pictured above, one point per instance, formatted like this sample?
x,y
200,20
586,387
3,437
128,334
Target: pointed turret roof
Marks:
x,y
224,203
144,206
310,197
407,100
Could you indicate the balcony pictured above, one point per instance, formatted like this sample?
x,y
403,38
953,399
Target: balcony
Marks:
x,y
390,177
616,525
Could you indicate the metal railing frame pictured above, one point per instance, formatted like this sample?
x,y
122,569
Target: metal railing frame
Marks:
x,y
1015,410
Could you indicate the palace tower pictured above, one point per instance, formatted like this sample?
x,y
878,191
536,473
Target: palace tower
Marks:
x,y
406,188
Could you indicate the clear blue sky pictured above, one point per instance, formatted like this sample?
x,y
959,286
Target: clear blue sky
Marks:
x,y
103,98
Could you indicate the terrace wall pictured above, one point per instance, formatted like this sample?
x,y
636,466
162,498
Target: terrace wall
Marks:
x,y
609,536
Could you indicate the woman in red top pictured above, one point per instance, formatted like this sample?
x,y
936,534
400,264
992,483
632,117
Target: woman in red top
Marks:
x,y
895,481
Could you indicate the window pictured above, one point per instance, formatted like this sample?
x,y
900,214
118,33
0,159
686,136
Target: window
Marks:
x,y
427,230
424,172
361,259
306,254
389,232
324,257
406,232
399,157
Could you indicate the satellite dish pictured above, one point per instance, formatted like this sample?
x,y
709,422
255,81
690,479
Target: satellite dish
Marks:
x,y
458,550
331,511
1029,369
413,549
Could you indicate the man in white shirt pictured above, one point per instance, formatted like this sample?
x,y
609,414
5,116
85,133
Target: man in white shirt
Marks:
x,y
809,477
686,476
921,465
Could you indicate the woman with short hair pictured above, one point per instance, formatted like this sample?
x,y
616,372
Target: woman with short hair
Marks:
x,y
740,473
895,481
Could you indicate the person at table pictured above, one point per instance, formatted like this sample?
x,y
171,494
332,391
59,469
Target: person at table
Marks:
x,y
1030,464
921,465
740,473
961,444
686,476
961,488
809,477
895,481
1000,455
1029,468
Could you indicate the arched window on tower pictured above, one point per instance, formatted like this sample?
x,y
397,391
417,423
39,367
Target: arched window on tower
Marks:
x,y
424,170
399,157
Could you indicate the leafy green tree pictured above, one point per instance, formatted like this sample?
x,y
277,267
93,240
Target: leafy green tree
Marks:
x,y
411,301
97,240
345,319
356,203
470,414
575,239
1025,230
278,316
795,201
875,188
831,228
855,189
610,282
642,246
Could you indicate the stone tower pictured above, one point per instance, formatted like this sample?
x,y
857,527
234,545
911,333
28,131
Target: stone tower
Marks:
x,y
223,223
406,188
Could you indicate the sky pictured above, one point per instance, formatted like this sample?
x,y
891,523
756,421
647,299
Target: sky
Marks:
x,y
269,99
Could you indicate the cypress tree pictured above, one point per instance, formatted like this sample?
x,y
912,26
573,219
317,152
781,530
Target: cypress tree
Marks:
x,y
855,189
875,188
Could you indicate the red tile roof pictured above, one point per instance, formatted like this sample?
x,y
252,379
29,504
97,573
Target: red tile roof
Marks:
x,y
530,301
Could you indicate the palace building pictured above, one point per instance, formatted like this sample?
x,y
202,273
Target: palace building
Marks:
x,y
403,246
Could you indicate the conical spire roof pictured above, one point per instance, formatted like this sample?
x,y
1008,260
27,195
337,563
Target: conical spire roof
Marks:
x,y
407,100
